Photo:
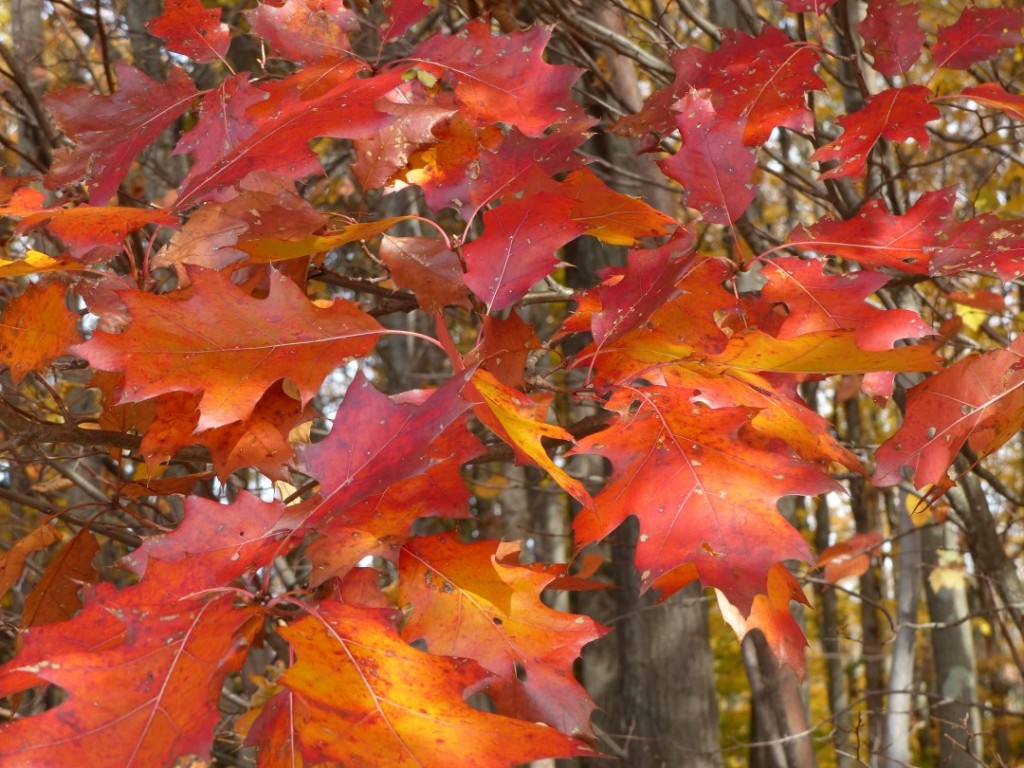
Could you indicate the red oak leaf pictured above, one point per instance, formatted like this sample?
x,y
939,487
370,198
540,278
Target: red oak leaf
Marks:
x,y
385,703
380,157
90,233
56,596
467,604
261,441
703,485
219,234
402,14
978,401
228,347
328,98
877,238
610,216
503,78
763,81
109,131
892,36
521,421
518,247
428,268
377,442
817,301
816,7
503,347
304,30
780,413
770,613
760,80
647,282
978,35
995,96
36,328
897,114
192,30
223,124
927,239
713,166
380,524
165,647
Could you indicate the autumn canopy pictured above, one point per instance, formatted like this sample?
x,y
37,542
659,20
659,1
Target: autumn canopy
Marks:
x,y
291,511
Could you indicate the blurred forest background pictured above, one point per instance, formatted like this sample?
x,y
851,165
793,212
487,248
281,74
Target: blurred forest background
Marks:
x,y
917,593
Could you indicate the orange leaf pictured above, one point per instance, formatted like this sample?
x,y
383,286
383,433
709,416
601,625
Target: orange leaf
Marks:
x,y
467,604
228,347
357,695
36,328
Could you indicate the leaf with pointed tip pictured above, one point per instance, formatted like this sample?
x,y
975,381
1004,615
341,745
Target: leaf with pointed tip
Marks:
x,y
402,14
978,35
821,352
649,280
228,347
85,227
817,301
261,441
780,413
380,157
192,30
995,96
892,36
358,695
380,524
425,266
610,216
760,81
109,131
465,603
327,98
503,78
703,485
715,169
165,648
36,263
167,662
377,441
817,7
216,542
978,401
304,30
521,421
927,239
877,238
219,234
223,123
12,562
36,328
56,596
770,613
517,247
504,347
896,114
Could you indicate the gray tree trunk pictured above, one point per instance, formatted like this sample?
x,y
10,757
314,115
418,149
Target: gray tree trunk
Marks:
x,y
894,749
956,683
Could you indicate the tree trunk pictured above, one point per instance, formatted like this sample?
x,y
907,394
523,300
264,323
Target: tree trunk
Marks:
x,y
956,683
894,749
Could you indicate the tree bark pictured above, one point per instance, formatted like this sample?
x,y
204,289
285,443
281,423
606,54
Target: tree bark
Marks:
x,y
956,677
894,749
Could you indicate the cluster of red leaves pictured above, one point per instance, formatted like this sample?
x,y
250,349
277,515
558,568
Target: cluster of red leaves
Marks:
x,y
707,431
